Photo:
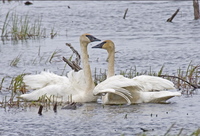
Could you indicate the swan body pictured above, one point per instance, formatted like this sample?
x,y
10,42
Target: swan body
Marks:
x,y
141,89
79,84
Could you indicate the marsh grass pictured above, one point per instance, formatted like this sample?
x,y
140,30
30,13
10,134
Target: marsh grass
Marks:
x,y
20,27
185,80
15,61
188,81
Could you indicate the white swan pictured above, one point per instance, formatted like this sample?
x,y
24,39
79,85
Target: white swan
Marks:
x,y
143,89
78,84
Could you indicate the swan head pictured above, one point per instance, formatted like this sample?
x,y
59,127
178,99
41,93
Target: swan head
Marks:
x,y
87,38
107,45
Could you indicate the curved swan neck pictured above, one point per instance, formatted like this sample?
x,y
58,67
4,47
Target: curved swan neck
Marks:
x,y
111,61
86,65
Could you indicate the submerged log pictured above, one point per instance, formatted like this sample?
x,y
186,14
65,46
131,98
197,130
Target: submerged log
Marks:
x,y
172,17
196,9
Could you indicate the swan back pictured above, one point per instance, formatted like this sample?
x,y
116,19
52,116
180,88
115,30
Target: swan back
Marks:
x,y
116,82
153,83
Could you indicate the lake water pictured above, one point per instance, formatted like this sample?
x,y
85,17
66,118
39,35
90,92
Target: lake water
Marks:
x,y
143,40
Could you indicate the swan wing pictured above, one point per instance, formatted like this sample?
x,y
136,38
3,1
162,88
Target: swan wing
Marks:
x,y
117,82
117,92
57,90
43,79
153,83
77,79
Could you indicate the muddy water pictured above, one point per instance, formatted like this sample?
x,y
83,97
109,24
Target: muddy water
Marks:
x,y
144,39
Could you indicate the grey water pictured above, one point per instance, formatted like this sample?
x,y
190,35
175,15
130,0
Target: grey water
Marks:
x,y
143,40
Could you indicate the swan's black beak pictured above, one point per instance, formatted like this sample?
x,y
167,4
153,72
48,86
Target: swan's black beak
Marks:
x,y
99,45
92,38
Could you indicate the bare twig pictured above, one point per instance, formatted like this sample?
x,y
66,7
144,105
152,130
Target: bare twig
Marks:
x,y
78,57
194,86
125,13
75,65
172,17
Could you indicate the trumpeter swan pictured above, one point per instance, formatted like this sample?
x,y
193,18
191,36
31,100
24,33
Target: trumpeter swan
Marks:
x,y
142,89
78,84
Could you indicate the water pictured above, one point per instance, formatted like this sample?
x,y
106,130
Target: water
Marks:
x,y
144,39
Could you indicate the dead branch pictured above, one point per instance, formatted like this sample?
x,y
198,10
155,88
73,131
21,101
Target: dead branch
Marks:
x,y
172,17
196,9
125,13
194,86
75,65
72,64
78,57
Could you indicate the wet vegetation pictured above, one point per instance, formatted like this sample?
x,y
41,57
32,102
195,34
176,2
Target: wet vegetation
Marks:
x,y
22,27
186,81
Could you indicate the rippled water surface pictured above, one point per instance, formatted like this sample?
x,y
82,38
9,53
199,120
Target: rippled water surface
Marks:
x,y
144,39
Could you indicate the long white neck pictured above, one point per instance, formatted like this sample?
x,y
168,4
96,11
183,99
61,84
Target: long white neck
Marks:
x,y
111,63
86,66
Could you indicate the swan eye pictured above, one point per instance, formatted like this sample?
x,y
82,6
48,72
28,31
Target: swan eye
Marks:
x,y
92,38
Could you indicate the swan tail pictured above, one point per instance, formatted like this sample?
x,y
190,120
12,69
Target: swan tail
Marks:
x,y
120,92
43,79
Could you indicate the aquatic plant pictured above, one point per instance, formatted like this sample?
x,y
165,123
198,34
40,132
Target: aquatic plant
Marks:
x,y
186,80
53,33
15,61
19,27
4,31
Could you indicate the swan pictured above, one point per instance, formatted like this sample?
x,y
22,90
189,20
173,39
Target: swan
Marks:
x,y
141,89
78,84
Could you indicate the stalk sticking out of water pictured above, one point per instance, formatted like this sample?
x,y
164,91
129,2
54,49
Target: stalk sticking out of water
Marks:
x,y
172,17
169,129
4,32
124,17
40,110
55,107
15,61
20,27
